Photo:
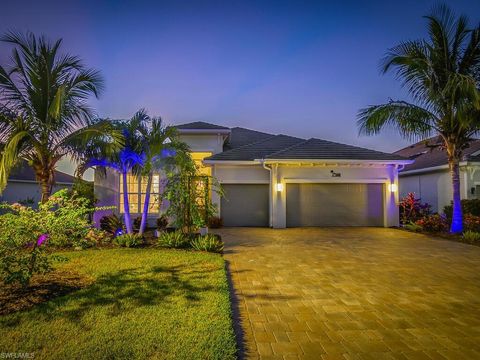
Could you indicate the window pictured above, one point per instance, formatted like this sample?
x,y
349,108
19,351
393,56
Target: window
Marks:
x,y
137,189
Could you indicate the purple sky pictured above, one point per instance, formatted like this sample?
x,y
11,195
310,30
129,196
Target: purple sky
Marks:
x,y
299,68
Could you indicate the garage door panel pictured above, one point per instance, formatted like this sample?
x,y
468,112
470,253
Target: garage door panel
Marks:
x,y
245,205
334,205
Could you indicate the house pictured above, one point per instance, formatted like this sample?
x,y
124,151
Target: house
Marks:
x,y
22,185
429,177
281,181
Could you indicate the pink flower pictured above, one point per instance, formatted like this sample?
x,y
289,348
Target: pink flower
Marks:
x,y
41,239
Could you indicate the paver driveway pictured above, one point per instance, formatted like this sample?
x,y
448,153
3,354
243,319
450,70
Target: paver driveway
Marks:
x,y
347,293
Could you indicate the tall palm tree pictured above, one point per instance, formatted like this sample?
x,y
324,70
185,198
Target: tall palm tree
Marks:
x,y
161,146
43,109
442,75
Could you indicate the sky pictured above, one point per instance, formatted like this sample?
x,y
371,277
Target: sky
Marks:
x,y
302,68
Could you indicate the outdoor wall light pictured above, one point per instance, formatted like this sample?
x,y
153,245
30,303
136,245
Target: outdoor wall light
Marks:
x,y
279,187
392,187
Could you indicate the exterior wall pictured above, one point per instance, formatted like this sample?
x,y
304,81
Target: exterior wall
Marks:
x,y
283,174
204,142
435,188
23,190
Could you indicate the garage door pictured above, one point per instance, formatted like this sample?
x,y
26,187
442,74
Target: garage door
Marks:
x,y
245,205
334,205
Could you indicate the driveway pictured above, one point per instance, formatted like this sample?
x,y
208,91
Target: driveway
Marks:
x,y
353,293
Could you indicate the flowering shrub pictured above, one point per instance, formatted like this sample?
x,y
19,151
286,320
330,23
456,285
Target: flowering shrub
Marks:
x,y
433,223
412,209
471,223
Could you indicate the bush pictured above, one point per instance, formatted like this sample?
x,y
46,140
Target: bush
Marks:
x,y
111,224
471,223
413,227
215,222
469,206
412,209
471,237
162,222
176,240
433,223
128,240
95,237
209,242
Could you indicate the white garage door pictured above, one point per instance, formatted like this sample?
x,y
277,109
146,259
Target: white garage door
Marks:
x,y
334,205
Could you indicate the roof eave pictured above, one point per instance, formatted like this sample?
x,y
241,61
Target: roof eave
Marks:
x,y
337,161
204,131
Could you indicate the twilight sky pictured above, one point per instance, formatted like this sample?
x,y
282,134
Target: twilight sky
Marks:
x,y
295,67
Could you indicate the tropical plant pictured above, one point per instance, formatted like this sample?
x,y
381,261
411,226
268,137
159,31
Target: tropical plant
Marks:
x,y
433,223
442,74
208,242
112,224
175,240
469,206
412,209
471,237
471,222
44,114
128,240
162,222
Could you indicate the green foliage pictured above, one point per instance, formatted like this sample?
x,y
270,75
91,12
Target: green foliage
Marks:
x,y
128,240
162,222
412,209
215,222
413,227
469,206
111,223
84,189
95,237
208,242
174,240
136,223
471,237
433,223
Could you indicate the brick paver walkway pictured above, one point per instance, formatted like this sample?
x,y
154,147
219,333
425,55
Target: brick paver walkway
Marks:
x,y
354,293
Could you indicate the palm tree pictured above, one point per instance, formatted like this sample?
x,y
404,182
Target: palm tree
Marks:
x,y
43,109
161,146
442,75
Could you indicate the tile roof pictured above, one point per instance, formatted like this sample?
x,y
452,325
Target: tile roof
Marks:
x,y
23,172
323,149
257,150
241,136
200,125
430,153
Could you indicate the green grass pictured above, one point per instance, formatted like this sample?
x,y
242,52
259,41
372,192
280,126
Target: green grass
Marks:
x,y
145,303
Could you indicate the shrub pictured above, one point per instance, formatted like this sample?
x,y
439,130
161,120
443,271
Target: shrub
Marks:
x,y
412,209
215,222
433,223
413,227
176,240
111,224
136,223
95,237
469,206
471,237
471,223
162,222
128,240
209,242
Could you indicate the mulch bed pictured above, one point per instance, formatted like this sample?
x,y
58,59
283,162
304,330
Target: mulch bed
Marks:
x,y
42,288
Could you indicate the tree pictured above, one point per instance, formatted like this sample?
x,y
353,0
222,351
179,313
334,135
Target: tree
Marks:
x,y
161,146
442,75
44,114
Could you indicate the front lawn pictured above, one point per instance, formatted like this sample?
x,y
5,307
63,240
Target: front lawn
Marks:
x,y
143,303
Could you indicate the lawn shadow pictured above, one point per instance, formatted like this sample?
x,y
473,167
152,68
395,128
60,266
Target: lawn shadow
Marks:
x,y
237,325
131,288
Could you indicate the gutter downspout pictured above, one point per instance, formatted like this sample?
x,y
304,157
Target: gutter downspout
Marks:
x,y
270,197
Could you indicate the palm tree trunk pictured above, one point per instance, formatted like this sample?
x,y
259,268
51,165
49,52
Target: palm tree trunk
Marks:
x,y
46,189
143,223
457,216
126,205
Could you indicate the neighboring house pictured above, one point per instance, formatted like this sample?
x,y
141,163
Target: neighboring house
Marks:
x,y
23,187
281,181
429,176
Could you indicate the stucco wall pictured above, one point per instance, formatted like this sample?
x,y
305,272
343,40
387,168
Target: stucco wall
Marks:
x,y
18,191
203,142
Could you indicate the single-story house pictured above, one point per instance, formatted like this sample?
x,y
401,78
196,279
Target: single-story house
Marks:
x,y
429,176
279,180
23,187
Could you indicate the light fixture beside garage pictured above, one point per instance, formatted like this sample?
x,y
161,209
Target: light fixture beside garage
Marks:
x,y
392,187
279,187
